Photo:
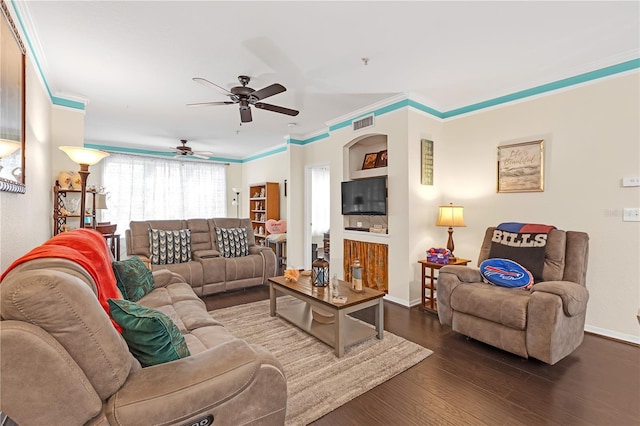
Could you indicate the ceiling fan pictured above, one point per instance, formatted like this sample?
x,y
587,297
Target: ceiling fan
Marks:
x,y
185,151
246,96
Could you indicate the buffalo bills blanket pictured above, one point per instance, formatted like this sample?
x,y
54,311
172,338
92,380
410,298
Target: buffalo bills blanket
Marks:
x,y
524,243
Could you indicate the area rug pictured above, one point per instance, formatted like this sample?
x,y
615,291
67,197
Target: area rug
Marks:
x,y
317,381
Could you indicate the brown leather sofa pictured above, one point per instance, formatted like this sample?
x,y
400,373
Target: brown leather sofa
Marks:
x,y
64,363
207,271
545,322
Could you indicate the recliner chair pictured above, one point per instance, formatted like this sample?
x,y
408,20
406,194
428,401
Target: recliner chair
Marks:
x,y
545,322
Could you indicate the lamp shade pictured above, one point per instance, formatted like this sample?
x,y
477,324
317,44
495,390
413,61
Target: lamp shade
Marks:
x,y
8,147
80,155
451,216
101,201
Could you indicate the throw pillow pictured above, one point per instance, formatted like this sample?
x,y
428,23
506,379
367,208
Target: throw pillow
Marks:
x,y
170,246
506,273
151,335
133,278
276,226
232,242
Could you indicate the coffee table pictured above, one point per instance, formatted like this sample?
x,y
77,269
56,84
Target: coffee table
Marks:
x,y
345,330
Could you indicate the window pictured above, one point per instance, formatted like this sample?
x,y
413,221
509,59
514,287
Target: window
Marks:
x,y
145,188
320,191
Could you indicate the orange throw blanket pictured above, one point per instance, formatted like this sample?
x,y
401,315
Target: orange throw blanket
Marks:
x,y
87,248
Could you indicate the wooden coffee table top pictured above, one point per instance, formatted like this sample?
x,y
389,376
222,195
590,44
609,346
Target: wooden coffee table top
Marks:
x,y
324,294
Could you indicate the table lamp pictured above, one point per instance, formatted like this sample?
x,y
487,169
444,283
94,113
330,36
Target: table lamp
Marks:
x,y
451,216
84,157
7,147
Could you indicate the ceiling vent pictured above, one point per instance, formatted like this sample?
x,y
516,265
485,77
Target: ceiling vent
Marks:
x,y
363,122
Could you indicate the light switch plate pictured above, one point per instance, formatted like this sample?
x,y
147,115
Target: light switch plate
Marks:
x,y
631,215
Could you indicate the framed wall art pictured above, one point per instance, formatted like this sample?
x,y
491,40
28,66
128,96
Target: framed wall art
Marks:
x,y
382,159
426,165
369,160
521,167
12,105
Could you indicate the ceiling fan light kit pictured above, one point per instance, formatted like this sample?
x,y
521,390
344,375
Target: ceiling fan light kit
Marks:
x,y
246,96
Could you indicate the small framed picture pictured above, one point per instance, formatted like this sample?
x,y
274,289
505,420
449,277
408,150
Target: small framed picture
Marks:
x,y
369,161
381,159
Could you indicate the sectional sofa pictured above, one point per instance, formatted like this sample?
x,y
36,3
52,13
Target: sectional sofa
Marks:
x,y
206,263
65,363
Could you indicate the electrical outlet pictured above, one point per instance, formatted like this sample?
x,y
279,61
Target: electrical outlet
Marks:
x,y
631,215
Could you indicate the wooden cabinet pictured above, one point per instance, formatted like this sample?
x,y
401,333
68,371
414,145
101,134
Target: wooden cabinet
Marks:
x,y
264,204
66,205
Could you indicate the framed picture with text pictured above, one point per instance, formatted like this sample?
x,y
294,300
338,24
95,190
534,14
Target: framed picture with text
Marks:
x,y
521,167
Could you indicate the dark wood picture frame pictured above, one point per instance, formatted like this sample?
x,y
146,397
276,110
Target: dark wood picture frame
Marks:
x,y
12,116
369,160
382,158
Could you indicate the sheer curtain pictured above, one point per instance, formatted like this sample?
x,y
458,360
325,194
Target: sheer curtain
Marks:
x,y
320,190
144,188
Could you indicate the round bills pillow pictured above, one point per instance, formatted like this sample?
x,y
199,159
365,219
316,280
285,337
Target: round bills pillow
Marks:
x,y
506,273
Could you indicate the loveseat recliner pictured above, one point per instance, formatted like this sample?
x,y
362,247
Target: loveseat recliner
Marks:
x,y
63,362
545,322
206,269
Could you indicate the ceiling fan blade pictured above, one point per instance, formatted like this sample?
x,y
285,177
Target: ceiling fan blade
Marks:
x,y
204,153
263,93
207,83
245,115
201,104
200,155
275,108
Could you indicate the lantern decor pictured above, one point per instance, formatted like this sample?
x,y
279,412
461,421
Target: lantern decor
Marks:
x,y
320,273
356,276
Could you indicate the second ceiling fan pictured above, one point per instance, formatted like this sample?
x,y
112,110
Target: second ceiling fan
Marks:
x,y
246,96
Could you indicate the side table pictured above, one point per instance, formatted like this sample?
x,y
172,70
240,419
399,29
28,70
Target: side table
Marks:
x,y
429,297
113,242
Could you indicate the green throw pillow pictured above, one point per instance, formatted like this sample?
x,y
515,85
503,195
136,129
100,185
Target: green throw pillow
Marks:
x,y
151,335
133,278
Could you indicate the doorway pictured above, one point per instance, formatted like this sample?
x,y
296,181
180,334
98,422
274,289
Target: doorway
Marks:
x,y
317,212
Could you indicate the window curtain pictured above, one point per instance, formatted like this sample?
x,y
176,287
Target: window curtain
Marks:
x,y
374,259
143,188
321,193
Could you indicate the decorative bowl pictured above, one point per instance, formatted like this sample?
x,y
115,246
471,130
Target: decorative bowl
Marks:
x,y
107,229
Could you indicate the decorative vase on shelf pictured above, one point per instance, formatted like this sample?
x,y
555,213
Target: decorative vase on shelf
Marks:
x,y
64,179
76,181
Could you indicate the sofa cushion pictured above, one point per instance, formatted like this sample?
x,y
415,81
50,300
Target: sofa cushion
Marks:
x,y
169,246
151,336
133,278
507,306
232,242
506,273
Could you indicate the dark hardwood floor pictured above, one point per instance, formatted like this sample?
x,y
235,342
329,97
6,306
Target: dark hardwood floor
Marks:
x,y
466,382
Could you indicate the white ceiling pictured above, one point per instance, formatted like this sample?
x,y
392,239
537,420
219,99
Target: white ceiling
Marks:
x,y
133,61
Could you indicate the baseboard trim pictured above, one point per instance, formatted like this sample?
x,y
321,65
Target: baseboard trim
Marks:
x,y
613,335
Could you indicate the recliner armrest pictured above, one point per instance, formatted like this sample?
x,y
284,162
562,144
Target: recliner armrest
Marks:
x,y
201,384
464,273
574,296
164,277
256,249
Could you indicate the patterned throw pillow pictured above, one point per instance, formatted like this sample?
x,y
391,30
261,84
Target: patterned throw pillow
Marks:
x,y
170,246
151,335
232,242
133,278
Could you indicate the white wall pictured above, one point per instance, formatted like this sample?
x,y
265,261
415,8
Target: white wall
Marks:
x,y
25,219
274,168
592,136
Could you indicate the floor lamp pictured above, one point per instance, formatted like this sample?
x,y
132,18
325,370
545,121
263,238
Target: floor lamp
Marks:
x,y
84,157
236,201
451,216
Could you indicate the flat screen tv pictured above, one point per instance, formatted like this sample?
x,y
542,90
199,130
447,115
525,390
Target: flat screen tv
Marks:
x,y
365,196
